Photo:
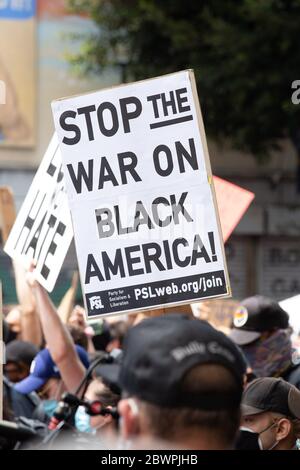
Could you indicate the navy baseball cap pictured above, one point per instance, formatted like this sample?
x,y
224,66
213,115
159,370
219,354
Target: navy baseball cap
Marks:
x,y
43,368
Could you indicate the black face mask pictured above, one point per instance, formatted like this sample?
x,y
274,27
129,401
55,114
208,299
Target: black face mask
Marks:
x,y
247,440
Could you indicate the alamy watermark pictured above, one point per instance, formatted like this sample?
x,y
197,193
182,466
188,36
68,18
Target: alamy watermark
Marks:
x,y
296,94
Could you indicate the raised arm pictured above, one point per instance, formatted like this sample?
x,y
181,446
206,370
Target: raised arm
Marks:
x,y
58,338
30,323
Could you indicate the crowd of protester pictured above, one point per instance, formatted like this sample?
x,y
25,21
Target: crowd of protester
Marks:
x,y
147,381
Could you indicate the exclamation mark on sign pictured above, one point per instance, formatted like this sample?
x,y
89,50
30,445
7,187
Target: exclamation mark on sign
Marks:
x,y
212,246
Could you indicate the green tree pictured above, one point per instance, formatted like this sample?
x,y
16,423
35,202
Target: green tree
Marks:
x,y
245,55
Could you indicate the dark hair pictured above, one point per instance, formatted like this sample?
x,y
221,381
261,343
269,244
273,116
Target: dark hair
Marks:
x,y
106,395
118,331
224,424
79,336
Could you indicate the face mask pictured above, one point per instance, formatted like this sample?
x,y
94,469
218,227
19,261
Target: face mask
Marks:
x,y
83,421
272,356
49,407
260,442
247,440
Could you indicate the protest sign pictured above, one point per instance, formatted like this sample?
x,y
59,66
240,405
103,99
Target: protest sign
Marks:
x,y
138,317
141,194
292,307
233,201
43,228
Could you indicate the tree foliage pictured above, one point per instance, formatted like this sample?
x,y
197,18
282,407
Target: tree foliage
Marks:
x,y
245,55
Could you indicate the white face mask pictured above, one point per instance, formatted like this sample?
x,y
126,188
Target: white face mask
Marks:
x,y
260,441
83,421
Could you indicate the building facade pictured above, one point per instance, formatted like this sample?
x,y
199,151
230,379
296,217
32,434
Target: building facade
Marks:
x,y
263,253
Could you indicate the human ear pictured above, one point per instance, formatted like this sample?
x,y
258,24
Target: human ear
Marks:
x,y
129,419
283,429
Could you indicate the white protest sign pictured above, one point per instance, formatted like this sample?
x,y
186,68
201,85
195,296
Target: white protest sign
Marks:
x,y
141,195
292,307
43,228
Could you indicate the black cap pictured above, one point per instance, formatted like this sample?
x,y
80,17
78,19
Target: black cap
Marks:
x,y
21,351
159,352
271,394
102,336
254,316
109,372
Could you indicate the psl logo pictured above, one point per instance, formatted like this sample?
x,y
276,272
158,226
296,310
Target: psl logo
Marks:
x,y
295,95
2,92
95,302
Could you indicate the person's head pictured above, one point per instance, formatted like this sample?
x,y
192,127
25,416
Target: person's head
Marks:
x,y
261,328
78,317
79,336
117,331
271,408
183,383
101,334
104,389
101,392
45,378
19,356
